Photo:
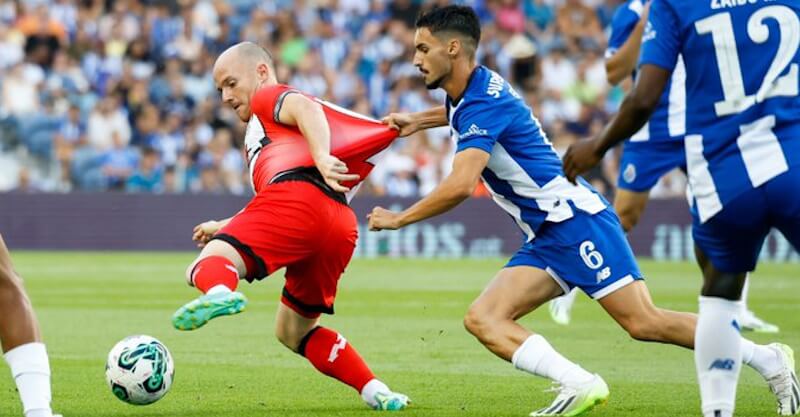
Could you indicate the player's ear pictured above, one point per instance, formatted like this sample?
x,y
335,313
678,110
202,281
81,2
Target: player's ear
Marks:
x,y
263,71
453,47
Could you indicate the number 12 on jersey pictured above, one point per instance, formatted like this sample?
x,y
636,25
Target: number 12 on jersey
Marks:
x,y
720,26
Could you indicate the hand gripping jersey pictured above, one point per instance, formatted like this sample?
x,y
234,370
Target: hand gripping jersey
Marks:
x,y
742,82
275,149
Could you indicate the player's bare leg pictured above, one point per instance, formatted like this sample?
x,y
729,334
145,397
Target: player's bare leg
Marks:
x,y
22,346
216,273
492,319
630,206
330,353
633,308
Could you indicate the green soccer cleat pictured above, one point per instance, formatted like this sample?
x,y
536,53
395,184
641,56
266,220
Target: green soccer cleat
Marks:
x,y
199,311
576,400
390,402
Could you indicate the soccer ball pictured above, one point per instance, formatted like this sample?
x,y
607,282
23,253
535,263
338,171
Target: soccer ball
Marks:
x,y
139,370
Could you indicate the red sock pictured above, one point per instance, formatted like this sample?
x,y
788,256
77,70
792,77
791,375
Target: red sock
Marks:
x,y
332,355
213,271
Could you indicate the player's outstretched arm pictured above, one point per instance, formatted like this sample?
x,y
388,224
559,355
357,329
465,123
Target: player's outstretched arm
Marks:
x,y
410,123
299,110
633,114
620,65
454,189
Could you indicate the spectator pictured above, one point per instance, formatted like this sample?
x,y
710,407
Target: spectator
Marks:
x,y
108,123
148,177
118,163
70,136
579,26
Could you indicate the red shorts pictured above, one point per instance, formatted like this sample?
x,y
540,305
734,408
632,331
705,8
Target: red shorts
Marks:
x,y
295,225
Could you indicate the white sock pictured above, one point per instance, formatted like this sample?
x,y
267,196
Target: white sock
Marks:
x,y
764,360
568,299
373,387
30,369
537,357
745,290
218,289
718,355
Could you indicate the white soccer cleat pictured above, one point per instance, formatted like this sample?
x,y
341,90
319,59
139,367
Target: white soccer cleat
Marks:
x,y
784,384
749,321
576,400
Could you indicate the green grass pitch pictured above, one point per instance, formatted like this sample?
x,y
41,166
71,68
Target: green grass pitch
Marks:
x,y
404,316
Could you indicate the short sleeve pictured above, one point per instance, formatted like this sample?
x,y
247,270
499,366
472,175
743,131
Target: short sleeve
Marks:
x,y
622,25
479,125
268,100
661,42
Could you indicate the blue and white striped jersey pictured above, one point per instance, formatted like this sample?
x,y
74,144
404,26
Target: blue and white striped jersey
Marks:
x,y
668,121
742,80
524,173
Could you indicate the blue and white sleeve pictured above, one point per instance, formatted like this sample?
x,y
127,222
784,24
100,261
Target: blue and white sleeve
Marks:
x,y
478,125
622,25
661,43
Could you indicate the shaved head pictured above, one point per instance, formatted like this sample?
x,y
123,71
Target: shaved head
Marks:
x,y
239,72
246,52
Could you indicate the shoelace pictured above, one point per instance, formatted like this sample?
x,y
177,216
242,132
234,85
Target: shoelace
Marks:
x,y
781,383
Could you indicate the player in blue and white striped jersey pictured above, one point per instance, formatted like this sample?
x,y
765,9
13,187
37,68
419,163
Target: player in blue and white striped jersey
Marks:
x,y
654,150
743,158
572,237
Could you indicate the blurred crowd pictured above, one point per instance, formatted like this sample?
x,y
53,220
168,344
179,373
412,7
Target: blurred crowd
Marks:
x,y
118,94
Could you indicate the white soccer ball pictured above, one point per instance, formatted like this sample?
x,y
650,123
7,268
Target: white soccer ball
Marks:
x,y
139,370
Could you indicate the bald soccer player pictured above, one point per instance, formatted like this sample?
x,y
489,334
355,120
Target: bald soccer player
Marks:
x,y
306,157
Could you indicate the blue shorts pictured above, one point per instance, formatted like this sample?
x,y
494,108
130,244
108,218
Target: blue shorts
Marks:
x,y
587,251
643,164
733,238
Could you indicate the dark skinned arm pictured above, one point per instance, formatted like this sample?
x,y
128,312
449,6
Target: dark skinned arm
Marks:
x,y
634,112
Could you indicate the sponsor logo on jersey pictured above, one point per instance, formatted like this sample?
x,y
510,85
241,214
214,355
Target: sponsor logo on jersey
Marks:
x,y
473,130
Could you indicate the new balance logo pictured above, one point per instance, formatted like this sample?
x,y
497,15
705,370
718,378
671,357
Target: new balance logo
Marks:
x,y
340,344
722,364
473,130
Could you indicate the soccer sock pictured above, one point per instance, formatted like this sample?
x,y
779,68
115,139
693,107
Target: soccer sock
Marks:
x,y
214,271
30,368
332,355
373,387
764,360
568,299
537,357
718,355
745,290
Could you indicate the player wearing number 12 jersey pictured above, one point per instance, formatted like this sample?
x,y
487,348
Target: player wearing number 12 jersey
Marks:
x,y
303,155
654,150
572,238
743,158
